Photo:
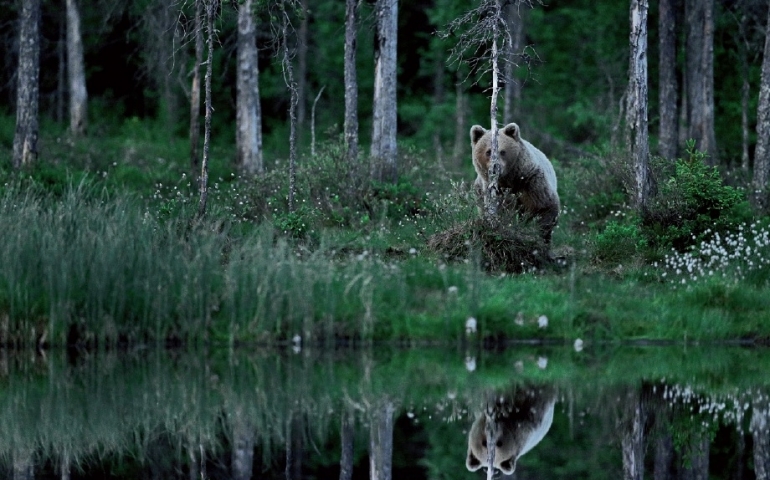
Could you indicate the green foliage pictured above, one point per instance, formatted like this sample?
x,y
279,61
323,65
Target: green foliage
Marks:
x,y
618,242
690,202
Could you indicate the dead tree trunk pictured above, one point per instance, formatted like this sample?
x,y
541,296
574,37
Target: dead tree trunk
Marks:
x,y
351,82
195,94
700,76
762,150
384,151
491,198
288,76
27,87
249,115
637,137
667,108
76,72
211,6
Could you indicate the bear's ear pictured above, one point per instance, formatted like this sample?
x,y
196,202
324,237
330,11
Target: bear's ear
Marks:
x,y
471,462
508,466
477,131
512,130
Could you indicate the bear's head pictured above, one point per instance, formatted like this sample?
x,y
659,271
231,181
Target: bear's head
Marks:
x,y
509,145
521,421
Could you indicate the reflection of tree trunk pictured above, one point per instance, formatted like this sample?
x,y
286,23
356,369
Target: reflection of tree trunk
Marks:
x,y
633,438
760,433
22,466
28,73
294,447
243,447
664,454
697,457
346,440
65,466
76,72
381,441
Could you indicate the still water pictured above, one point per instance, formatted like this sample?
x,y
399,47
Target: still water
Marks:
x,y
552,413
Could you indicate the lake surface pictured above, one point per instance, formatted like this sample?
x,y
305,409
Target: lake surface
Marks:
x,y
679,412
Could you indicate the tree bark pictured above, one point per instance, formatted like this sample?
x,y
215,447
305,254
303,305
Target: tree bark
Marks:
x,y
667,108
381,441
637,137
249,115
302,50
461,120
762,150
516,15
61,81
211,6
384,151
700,76
351,82
27,87
288,75
491,196
347,435
195,95
76,72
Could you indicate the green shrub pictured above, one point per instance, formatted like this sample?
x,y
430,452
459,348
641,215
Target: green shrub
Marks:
x,y
618,242
690,202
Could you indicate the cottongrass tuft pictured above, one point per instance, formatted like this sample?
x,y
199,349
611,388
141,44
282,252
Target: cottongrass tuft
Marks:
x,y
731,257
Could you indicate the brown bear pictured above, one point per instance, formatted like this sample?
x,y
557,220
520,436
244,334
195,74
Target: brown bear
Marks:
x,y
522,417
526,173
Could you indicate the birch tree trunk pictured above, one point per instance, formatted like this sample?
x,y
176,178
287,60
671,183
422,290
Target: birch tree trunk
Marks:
x,y
700,76
249,115
515,14
381,441
637,137
211,6
384,151
762,150
76,72
667,108
27,87
351,82
195,95
491,197
288,75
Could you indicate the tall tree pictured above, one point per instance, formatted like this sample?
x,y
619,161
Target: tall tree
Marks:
x,y
516,15
302,51
351,82
203,184
637,137
249,115
76,72
27,87
762,150
291,84
667,104
700,75
159,35
195,93
384,150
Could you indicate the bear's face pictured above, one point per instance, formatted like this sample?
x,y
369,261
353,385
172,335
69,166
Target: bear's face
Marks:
x,y
509,145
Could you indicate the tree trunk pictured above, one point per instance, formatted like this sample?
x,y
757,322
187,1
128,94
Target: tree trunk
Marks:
x,y
249,116
211,6
312,121
637,138
347,435
384,151
61,81
762,150
195,95
439,94
76,72
743,55
27,87
664,455
461,120
381,441
23,469
288,75
159,31
668,134
64,467
516,14
491,196
351,83
302,49
700,76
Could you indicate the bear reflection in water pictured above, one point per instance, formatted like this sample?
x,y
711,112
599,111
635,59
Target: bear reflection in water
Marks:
x,y
522,416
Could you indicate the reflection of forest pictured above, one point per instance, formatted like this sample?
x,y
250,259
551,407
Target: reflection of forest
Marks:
x,y
375,414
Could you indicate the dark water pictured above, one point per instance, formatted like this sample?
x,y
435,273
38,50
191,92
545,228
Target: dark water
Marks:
x,y
658,412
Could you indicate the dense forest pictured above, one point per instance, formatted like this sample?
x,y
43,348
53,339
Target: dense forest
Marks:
x,y
138,59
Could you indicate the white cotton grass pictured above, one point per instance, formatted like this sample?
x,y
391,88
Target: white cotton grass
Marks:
x,y
730,256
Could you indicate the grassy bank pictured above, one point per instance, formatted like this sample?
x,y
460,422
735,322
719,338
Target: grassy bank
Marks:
x,y
100,250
